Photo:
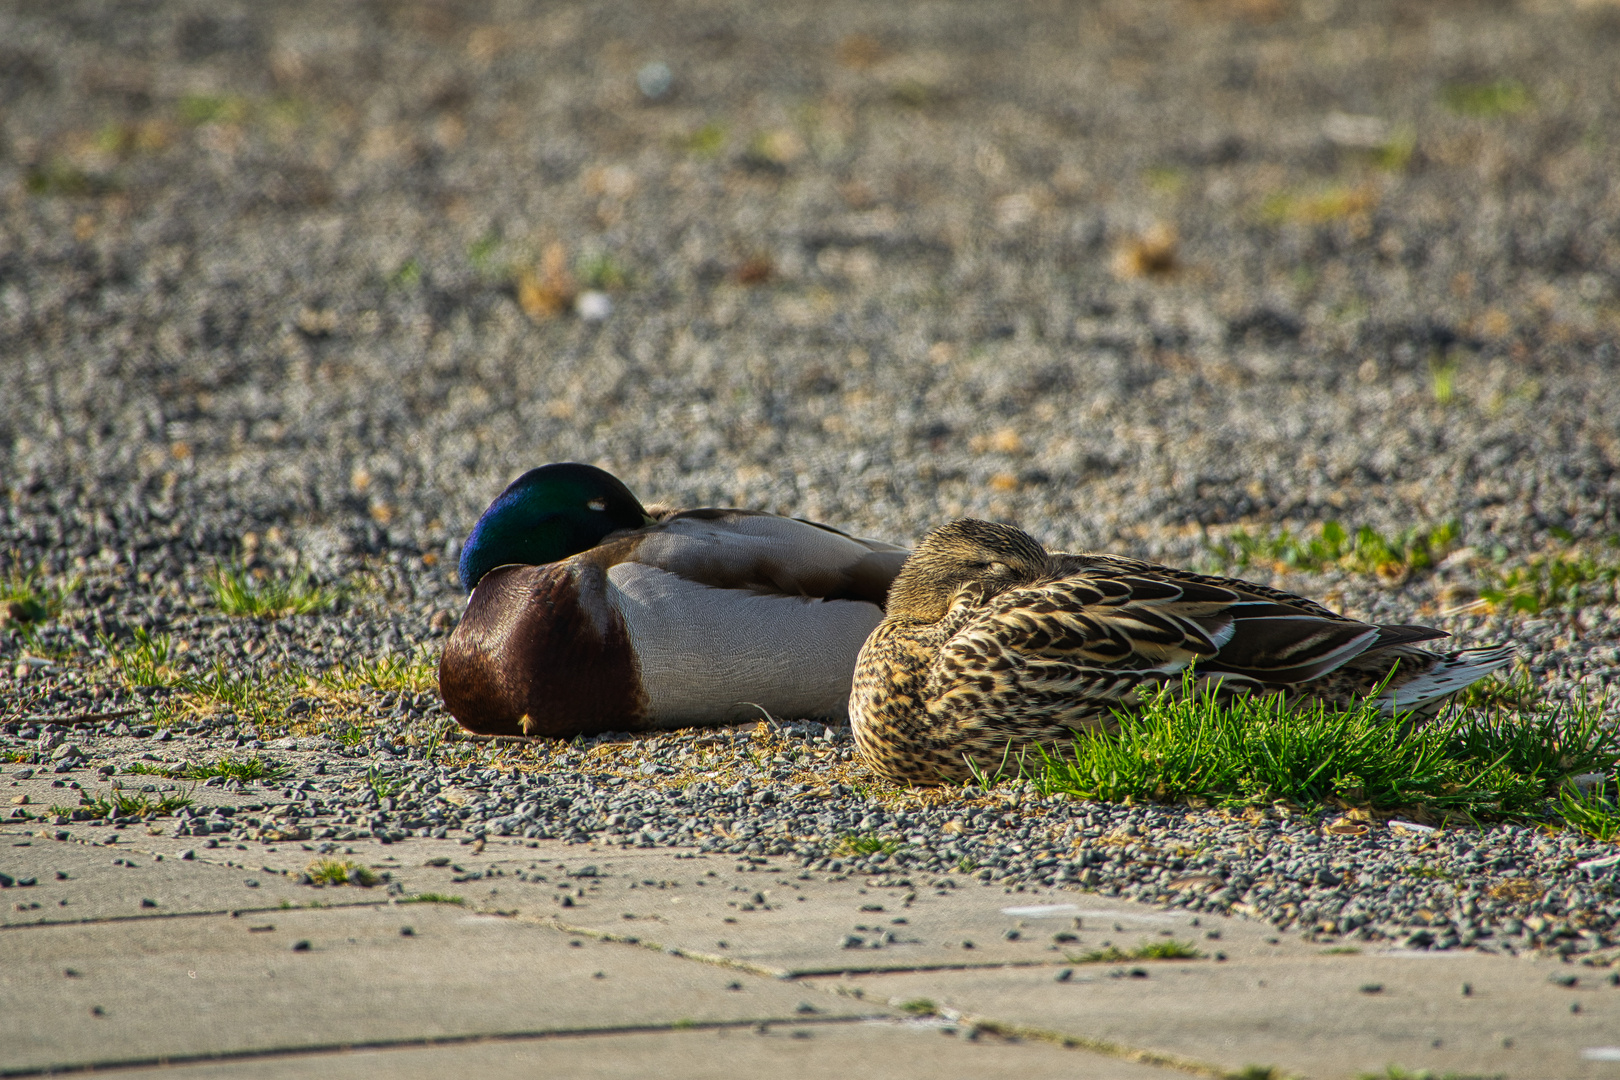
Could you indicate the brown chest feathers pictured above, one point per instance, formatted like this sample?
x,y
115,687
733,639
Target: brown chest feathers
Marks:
x,y
529,658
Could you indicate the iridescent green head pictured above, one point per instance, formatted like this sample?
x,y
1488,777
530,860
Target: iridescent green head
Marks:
x,y
548,514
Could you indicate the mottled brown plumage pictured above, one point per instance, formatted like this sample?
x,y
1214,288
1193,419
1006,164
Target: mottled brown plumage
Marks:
x,y
991,644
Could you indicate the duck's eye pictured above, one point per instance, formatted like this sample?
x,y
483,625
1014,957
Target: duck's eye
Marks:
x,y
597,504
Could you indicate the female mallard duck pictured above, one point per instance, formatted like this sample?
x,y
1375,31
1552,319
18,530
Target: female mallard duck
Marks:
x,y
991,643
590,613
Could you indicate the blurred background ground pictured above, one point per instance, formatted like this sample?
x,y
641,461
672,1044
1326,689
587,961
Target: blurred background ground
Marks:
x,y
310,282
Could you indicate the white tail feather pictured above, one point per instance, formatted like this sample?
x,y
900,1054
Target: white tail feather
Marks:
x,y
1447,677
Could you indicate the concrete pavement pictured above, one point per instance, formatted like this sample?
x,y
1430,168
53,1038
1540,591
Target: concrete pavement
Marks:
x,y
571,960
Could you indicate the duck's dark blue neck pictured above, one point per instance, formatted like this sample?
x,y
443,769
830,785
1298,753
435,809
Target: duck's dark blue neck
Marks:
x,y
548,514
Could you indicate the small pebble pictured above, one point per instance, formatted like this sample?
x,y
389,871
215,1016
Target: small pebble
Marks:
x,y
593,306
654,80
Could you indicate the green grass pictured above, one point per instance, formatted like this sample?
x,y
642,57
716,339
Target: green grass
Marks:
x,y
1395,1072
481,252
920,1007
28,597
255,696
915,94
1442,380
397,673
149,661
384,787
129,804
198,109
219,685
59,178
1165,179
349,734
1155,950
1595,813
336,872
869,844
707,141
242,593
261,695
1568,580
243,769
287,112
1504,97
1396,154
1316,206
1364,551
430,748
407,275
602,271
23,601
1187,747
1517,691
431,898
283,113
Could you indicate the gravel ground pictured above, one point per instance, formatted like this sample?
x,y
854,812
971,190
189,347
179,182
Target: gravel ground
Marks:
x,y
304,286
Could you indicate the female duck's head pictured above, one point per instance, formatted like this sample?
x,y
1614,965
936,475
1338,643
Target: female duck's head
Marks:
x,y
966,558
548,514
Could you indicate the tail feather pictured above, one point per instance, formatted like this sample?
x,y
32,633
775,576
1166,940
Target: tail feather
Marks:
x,y
1451,674
1405,634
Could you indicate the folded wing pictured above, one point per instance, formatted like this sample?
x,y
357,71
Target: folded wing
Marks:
x,y
1078,646
763,553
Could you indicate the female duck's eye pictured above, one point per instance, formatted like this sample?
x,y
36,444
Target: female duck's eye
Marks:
x,y
597,504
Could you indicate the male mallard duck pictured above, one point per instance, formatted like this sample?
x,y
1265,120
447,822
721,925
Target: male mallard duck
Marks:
x,y
590,613
990,641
